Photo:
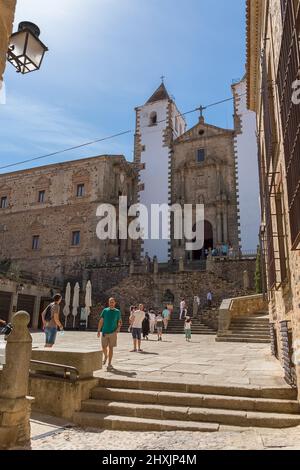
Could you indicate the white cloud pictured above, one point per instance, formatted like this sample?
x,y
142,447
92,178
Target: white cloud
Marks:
x,y
30,129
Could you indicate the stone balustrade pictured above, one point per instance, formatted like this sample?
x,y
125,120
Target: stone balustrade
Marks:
x,y
239,307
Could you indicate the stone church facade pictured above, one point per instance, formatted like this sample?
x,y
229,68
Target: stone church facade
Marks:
x,y
203,172
177,166
48,215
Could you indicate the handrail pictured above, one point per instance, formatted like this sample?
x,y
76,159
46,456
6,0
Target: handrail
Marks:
x,y
68,370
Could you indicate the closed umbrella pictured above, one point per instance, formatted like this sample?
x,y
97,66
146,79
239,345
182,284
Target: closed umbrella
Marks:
x,y
88,301
67,303
75,302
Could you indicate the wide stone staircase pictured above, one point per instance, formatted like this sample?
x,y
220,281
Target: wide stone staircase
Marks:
x,y
254,329
176,326
144,405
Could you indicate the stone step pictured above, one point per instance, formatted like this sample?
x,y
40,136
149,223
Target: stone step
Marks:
x,y
250,391
126,423
184,413
249,328
196,400
247,334
228,339
249,323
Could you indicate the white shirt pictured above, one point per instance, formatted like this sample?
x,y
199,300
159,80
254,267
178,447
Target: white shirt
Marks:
x,y
137,317
152,316
182,304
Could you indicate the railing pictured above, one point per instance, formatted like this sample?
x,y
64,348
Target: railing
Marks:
x,y
70,373
288,71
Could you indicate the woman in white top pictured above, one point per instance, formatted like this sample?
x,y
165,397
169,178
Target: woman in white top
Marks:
x,y
152,318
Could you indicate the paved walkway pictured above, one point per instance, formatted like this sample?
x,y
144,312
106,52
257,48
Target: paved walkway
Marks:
x,y
53,434
201,361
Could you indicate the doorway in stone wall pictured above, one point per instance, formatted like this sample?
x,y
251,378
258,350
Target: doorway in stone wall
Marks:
x,y
198,255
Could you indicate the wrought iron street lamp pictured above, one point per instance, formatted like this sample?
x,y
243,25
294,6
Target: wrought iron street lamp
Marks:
x,y
26,51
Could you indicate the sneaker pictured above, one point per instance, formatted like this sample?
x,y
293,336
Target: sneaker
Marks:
x,y
109,367
140,350
134,350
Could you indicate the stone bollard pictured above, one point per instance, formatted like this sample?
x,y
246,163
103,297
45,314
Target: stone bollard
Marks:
x,y
181,265
155,265
14,406
246,280
131,268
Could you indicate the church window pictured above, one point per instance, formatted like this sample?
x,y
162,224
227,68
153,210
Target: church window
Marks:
x,y
4,202
76,238
36,242
41,197
200,155
80,190
153,119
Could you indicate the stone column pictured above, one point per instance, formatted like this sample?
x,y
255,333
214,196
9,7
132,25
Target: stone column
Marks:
x,y
225,224
246,280
219,229
155,265
181,265
13,305
131,268
36,312
14,406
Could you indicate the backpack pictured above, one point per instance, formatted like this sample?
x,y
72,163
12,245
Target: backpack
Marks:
x,y
6,330
47,316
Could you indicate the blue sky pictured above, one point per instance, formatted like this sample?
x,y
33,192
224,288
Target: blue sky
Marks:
x,y
105,58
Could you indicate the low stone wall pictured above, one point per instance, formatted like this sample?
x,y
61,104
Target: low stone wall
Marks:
x,y
239,307
232,270
247,306
211,318
59,397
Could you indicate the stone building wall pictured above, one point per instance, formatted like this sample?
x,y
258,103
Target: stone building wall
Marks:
x,y
265,21
211,182
233,270
61,213
7,12
151,290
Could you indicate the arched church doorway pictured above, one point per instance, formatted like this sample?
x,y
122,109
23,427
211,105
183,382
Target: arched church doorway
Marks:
x,y
168,297
208,241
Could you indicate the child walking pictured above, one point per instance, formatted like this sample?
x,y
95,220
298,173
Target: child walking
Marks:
x,y
188,329
159,323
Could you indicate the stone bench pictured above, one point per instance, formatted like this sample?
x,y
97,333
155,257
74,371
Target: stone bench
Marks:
x,y
86,361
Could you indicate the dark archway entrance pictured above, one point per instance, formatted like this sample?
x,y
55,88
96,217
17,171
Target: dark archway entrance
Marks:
x,y
208,241
168,297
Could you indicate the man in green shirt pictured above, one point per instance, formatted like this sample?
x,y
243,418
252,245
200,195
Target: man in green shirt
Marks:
x,y
110,323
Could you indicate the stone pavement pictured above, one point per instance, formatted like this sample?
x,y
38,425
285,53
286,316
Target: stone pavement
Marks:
x,y
201,361
51,434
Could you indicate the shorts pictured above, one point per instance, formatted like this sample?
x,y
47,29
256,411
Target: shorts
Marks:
x,y
109,340
188,334
159,331
51,332
137,333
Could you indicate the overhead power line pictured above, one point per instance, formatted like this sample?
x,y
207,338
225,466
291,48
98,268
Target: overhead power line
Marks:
x,y
110,137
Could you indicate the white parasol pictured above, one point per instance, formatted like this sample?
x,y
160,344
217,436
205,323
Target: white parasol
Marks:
x,y
88,301
75,302
67,303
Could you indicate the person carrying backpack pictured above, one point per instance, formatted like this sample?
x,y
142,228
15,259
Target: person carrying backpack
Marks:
x,y
50,318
